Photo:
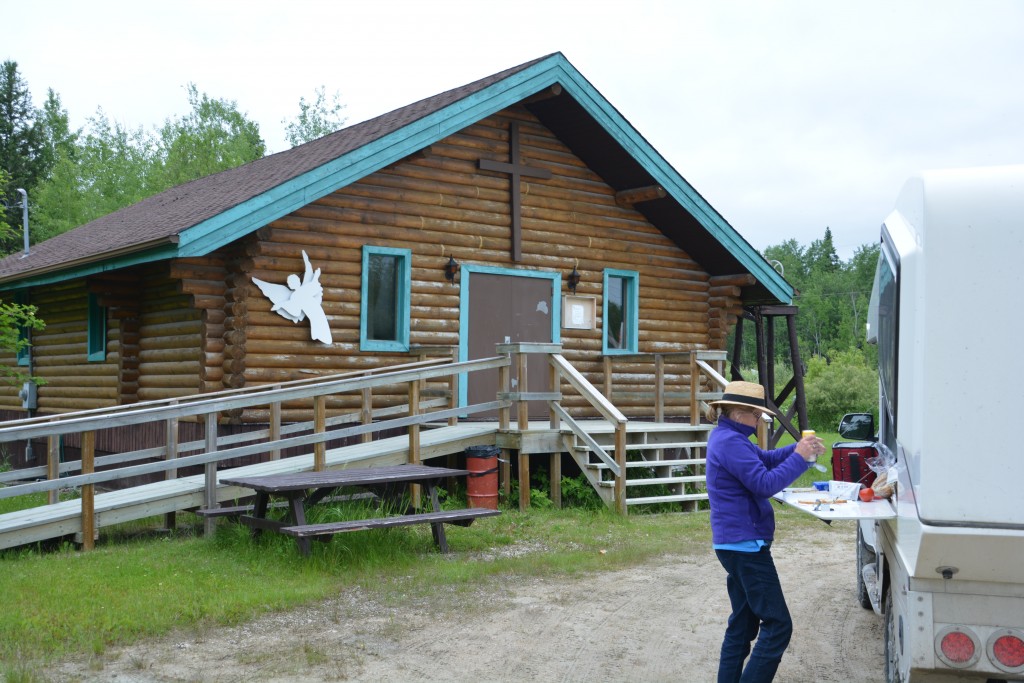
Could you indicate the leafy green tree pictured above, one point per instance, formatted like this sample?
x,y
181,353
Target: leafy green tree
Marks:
x,y
315,120
110,167
21,145
213,137
16,319
107,166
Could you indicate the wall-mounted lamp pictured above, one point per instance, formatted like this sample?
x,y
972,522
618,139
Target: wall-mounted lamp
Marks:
x,y
450,269
574,279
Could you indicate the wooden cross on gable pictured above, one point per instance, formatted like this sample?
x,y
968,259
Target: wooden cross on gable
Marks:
x,y
516,168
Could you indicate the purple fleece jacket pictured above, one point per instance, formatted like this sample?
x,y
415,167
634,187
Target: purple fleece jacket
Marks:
x,y
741,478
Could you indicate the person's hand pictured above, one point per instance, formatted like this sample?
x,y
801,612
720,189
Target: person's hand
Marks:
x,y
810,447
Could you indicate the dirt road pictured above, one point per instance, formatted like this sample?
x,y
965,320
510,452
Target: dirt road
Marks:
x,y
662,621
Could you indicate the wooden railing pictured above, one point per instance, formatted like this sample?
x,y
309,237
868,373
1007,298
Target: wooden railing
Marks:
x,y
679,378
273,440
560,369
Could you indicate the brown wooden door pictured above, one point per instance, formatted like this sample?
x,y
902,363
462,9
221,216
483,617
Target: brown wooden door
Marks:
x,y
505,308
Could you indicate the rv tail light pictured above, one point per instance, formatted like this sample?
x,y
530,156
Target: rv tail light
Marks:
x,y
1006,650
957,646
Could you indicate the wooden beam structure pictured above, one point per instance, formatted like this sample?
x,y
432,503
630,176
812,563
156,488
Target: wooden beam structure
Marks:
x,y
515,168
636,195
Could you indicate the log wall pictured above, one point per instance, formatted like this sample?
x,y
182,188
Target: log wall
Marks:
x,y
59,352
439,204
170,341
200,324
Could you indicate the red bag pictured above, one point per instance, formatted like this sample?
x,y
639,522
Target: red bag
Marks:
x,y
848,462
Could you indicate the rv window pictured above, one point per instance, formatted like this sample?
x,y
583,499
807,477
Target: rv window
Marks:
x,y
384,314
887,317
621,317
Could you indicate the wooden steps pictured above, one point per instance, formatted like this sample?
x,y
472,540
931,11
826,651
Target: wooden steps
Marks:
x,y
647,439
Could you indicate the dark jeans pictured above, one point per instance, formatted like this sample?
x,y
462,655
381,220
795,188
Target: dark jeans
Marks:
x,y
757,605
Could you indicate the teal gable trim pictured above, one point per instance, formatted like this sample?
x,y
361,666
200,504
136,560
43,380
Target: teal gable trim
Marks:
x,y
632,332
403,307
257,212
466,278
249,216
674,184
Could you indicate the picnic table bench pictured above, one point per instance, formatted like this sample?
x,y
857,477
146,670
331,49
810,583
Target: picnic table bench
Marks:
x,y
304,489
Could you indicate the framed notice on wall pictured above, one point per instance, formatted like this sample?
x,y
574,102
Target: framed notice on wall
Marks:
x,y
579,312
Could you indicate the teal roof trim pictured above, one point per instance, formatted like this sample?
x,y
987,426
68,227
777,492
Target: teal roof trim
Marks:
x,y
252,214
282,200
290,196
627,136
159,254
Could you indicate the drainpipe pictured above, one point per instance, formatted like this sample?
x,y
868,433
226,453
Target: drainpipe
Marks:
x,y
29,455
24,217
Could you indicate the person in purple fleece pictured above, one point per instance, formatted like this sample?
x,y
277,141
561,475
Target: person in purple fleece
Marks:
x,y
741,479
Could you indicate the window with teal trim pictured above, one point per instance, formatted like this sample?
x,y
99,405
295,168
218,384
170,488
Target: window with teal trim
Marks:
x,y
386,286
96,338
621,311
24,350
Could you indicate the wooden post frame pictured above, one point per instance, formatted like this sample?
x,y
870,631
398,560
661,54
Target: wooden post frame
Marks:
x,y
523,423
171,453
320,426
210,474
414,438
275,428
53,466
555,423
504,418
366,412
620,460
88,491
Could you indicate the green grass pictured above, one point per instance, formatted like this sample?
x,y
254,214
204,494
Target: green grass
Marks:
x,y
59,601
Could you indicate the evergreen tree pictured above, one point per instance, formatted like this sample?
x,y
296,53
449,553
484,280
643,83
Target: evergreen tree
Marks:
x,y
21,146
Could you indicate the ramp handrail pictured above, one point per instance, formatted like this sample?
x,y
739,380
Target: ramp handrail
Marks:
x,y
208,406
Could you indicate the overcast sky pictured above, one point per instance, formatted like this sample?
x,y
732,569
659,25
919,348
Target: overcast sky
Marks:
x,y
787,116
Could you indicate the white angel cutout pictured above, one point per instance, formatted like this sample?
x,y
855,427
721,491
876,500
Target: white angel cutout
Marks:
x,y
300,299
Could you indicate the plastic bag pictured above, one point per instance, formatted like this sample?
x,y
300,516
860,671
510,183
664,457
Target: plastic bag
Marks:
x,y
884,466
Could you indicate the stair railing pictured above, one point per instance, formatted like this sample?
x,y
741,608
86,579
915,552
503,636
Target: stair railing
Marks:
x,y
562,368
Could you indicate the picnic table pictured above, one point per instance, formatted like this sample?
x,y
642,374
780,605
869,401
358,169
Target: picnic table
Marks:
x,y
305,489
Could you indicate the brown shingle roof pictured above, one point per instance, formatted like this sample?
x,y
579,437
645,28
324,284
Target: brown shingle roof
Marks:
x,y
160,219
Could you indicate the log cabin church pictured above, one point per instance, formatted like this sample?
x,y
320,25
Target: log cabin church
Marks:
x,y
520,207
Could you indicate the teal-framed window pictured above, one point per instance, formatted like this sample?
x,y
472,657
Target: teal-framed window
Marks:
x,y
386,289
24,350
96,336
621,311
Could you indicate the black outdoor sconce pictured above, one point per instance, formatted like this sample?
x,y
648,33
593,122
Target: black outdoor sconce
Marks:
x,y
450,269
574,279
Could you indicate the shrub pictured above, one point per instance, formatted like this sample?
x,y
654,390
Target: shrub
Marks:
x,y
845,384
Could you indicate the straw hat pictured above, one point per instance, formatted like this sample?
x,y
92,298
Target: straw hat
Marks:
x,y
746,394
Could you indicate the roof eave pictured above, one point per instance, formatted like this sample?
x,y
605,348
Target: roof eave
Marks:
x,y
136,254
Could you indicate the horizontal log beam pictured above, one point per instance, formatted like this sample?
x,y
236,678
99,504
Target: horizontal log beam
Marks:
x,y
640,194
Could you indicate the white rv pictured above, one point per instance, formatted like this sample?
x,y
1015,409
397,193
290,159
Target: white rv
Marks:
x,y
944,566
